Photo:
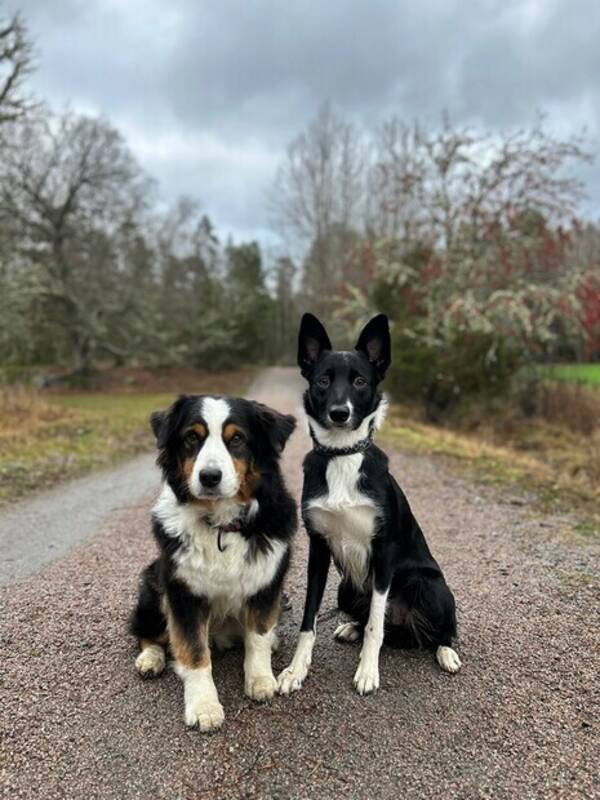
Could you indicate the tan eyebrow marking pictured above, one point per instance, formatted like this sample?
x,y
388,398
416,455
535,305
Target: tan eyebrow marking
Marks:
x,y
229,431
200,429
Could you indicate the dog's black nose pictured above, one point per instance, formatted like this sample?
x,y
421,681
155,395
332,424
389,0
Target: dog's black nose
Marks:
x,y
209,478
339,413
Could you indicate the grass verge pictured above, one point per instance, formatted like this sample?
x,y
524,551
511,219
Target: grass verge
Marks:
x,y
546,460
48,438
573,373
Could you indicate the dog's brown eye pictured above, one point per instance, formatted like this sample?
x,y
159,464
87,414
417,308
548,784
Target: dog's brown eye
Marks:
x,y
323,382
236,439
359,383
190,439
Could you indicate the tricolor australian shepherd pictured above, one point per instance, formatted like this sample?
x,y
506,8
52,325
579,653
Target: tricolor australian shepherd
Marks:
x,y
391,586
223,523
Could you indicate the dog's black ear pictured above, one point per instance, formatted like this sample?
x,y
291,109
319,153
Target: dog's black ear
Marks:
x,y
275,428
157,420
375,343
312,340
163,423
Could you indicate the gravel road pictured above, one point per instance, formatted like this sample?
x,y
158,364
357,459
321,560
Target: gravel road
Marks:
x,y
519,721
39,530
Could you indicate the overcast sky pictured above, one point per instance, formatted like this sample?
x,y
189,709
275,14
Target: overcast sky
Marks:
x,y
208,94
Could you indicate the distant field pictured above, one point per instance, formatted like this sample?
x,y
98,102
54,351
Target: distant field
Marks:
x,y
580,373
46,438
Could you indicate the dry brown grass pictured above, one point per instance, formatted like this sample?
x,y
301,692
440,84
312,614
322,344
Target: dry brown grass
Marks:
x,y
49,437
571,405
554,451
22,408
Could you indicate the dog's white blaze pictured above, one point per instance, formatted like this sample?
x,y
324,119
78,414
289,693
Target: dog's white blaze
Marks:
x,y
227,578
345,517
343,437
367,675
214,453
202,706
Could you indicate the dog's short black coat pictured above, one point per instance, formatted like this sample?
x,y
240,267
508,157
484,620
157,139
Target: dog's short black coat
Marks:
x,y
421,610
355,511
223,525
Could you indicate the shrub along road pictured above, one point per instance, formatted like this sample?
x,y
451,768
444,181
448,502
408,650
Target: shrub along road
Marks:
x,y
519,720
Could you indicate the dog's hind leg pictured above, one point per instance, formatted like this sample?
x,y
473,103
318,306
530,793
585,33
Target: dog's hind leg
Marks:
x,y
348,632
448,659
356,605
422,614
151,660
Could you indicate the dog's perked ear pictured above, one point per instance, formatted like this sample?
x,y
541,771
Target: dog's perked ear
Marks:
x,y
275,428
312,341
375,343
164,422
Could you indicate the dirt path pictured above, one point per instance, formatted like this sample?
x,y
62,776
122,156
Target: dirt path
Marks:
x,y
40,529
519,721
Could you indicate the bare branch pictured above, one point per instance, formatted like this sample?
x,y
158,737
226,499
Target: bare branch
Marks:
x,y
16,63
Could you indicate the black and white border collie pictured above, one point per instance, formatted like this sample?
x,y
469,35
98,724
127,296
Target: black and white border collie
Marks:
x,y
391,586
224,522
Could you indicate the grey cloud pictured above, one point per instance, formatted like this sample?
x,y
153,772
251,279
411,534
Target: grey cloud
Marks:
x,y
210,93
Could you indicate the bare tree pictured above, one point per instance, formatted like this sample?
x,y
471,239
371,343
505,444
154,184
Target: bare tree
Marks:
x,y
319,183
476,227
441,184
16,62
68,187
318,197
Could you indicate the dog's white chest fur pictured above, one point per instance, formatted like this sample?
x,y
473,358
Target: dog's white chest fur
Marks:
x,y
345,517
227,578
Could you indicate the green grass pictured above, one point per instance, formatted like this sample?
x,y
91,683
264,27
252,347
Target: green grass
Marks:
x,y
46,439
132,407
573,373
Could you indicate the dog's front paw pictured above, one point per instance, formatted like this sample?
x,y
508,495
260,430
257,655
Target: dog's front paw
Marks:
x,y
151,661
261,687
366,679
291,679
208,716
448,659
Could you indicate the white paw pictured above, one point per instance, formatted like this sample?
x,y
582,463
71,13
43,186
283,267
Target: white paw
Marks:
x,y
261,687
366,679
151,661
448,659
347,632
291,679
208,715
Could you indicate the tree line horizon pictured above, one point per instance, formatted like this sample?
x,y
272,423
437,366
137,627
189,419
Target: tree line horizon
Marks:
x,y
473,242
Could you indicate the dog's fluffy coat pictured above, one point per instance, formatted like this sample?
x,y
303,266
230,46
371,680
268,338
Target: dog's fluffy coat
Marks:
x,y
223,524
